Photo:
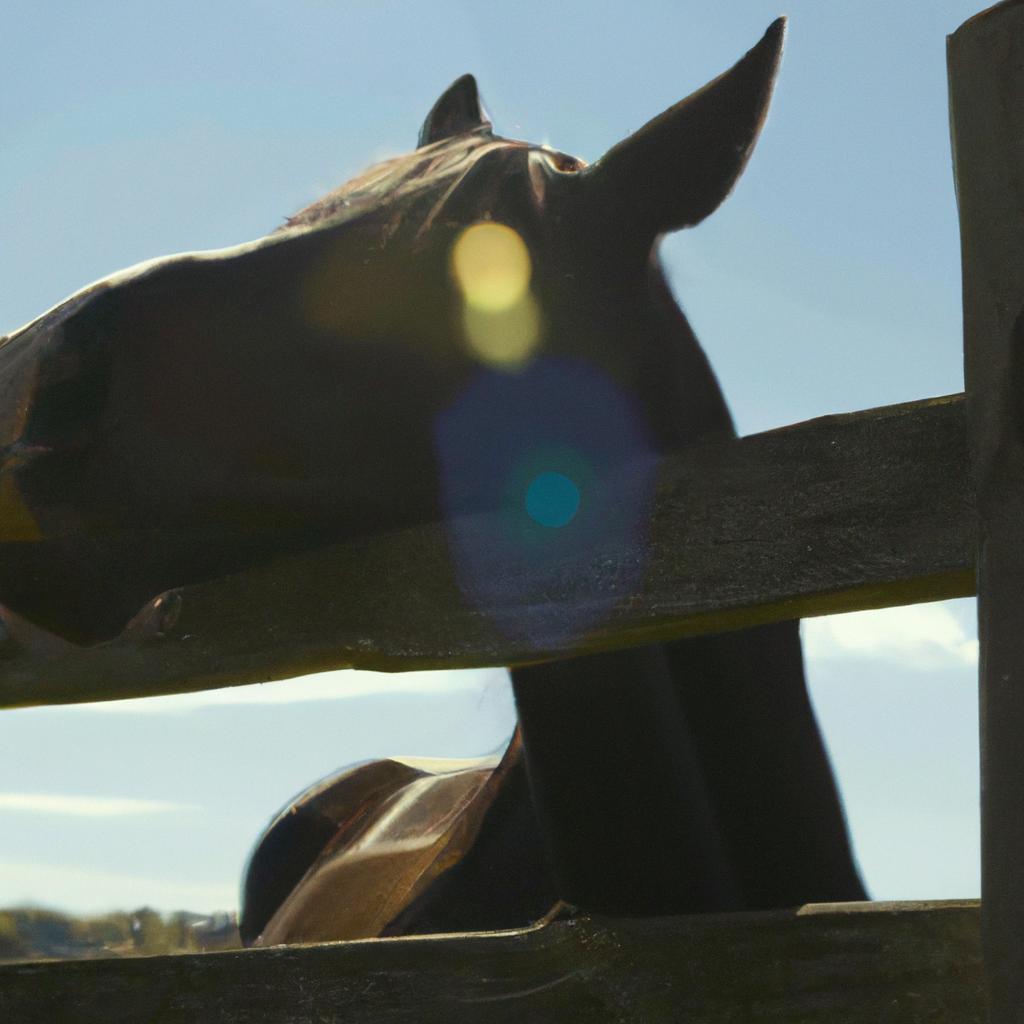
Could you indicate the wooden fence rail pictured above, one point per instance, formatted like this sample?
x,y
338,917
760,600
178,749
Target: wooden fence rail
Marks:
x,y
986,77
845,512
826,964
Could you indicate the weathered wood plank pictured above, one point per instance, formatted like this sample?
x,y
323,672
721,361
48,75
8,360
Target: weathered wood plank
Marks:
x,y
898,963
857,511
986,74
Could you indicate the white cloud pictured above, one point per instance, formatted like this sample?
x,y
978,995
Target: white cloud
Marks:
x,y
337,685
919,636
87,892
85,806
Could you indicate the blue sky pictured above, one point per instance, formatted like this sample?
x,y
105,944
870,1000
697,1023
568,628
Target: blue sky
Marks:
x,y
829,281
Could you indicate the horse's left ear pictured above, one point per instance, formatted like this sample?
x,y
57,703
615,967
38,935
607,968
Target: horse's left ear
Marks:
x,y
676,170
457,111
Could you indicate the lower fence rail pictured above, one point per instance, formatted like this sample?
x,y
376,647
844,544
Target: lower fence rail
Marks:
x,y
900,963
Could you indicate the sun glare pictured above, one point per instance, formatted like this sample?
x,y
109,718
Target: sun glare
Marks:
x,y
491,265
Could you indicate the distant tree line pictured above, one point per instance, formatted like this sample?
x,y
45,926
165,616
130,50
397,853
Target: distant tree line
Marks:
x,y
34,934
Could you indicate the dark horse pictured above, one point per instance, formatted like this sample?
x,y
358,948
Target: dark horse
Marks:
x,y
675,778
478,333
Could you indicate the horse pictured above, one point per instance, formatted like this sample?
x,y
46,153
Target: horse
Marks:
x,y
682,777
477,333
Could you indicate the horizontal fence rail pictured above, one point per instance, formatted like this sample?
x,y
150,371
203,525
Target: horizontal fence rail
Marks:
x,y
822,964
841,513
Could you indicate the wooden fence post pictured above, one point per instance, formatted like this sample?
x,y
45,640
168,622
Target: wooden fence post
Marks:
x,y
986,79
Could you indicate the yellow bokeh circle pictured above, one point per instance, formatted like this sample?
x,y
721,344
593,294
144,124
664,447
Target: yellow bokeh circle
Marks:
x,y
507,339
491,264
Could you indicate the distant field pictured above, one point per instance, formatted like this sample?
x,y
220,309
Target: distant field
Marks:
x,y
31,934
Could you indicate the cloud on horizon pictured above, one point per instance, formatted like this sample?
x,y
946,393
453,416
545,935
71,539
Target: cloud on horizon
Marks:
x,y
86,806
84,892
337,685
917,636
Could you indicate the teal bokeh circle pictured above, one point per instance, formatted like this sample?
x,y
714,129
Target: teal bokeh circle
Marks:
x,y
552,499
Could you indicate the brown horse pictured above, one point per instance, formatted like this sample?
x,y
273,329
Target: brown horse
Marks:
x,y
478,333
680,777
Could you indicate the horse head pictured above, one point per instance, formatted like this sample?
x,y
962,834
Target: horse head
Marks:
x,y
480,324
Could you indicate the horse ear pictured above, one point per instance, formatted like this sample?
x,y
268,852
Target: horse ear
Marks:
x,y
679,167
457,111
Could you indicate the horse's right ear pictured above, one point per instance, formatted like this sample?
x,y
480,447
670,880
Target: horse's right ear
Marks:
x,y
456,112
675,170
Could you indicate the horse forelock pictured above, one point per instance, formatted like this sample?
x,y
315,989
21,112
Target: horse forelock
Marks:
x,y
437,167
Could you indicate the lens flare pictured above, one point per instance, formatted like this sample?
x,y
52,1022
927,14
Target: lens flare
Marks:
x,y
552,500
500,319
547,476
16,521
503,340
492,267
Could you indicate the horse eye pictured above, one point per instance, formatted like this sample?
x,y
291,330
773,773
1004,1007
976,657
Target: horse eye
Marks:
x,y
563,162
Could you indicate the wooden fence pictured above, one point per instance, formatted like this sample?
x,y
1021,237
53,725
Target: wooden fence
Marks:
x,y
889,506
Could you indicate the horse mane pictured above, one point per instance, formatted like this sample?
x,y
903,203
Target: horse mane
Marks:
x,y
438,166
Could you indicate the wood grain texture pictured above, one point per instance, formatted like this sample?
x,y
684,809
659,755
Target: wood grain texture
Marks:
x,y
898,963
845,512
986,63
